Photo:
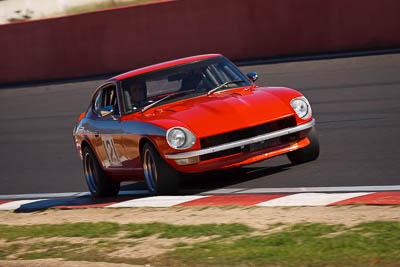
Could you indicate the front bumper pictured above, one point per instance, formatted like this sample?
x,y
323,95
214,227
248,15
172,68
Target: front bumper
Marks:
x,y
260,138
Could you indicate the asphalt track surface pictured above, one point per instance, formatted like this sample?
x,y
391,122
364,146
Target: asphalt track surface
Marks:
x,y
356,102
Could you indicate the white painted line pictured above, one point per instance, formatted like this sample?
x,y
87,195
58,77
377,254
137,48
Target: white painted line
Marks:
x,y
44,195
156,202
321,189
309,199
223,191
16,204
67,194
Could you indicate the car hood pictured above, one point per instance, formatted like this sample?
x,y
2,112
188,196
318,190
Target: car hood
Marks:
x,y
222,112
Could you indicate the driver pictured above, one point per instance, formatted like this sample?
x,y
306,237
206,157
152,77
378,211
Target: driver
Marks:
x,y
192,80
138,92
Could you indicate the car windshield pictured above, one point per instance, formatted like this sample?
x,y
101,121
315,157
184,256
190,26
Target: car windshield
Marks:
x,y
197,78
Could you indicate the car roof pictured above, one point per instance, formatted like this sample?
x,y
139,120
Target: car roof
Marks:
x,y
162,66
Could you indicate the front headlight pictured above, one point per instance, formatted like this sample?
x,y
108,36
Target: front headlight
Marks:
x,y
180,138
302,107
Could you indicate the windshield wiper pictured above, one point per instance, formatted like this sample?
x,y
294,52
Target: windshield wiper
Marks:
x,y
181,93
225,84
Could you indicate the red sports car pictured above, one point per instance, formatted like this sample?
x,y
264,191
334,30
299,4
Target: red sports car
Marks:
x,y
189,115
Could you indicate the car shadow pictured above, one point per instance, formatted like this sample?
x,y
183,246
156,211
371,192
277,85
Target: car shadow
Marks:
x,y
72,203
190,185
202,183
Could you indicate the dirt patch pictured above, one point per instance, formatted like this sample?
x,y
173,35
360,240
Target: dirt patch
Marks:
x,y
60,263
139,248
153,246
257,217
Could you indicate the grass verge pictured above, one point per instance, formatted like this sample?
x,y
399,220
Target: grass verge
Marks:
x,y
302,244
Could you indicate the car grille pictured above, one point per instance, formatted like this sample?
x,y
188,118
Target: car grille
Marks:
x,y
237,135
248,133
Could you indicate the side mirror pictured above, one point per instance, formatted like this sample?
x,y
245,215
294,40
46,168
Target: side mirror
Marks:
x,y
107,111
253,76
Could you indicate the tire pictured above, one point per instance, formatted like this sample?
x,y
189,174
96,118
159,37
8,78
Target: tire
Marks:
x,y
308,153
98,182
161,178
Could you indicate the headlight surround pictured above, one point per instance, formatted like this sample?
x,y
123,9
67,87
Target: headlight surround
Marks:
x,y
302,107
180,138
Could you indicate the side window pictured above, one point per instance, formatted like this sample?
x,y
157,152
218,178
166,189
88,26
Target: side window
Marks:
x,y
109,97
97,102
106,100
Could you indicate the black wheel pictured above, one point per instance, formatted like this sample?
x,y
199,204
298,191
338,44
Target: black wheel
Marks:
x,y
308,153
98,182
161,178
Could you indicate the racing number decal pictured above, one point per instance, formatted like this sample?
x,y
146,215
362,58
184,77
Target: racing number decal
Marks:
x,y
111,152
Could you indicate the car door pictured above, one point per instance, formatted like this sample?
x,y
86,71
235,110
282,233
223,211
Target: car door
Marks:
x,y
106,129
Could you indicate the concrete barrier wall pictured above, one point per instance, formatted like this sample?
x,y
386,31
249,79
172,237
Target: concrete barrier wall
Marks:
x,y
122,39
